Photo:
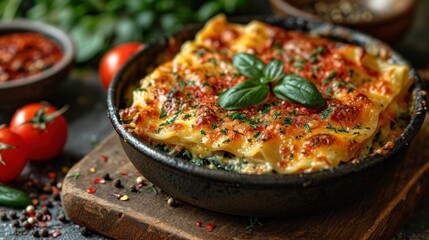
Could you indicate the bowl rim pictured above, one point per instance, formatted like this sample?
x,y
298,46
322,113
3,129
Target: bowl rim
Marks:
x,y
54,33
283,5
272,180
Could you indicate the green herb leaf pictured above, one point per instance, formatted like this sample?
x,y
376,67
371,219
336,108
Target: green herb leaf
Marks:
x,y
244,94
248,65
325,114
273,71
296,89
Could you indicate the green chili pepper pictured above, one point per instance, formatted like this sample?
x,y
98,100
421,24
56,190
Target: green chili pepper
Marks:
x,y
11,197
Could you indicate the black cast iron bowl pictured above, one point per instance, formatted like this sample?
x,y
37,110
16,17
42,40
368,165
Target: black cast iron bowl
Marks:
x,y
257,195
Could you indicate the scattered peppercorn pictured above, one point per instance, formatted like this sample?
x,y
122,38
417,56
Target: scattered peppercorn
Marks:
x,y
62,218
32,195
44,232
36,233
171,202
49,204
133,188
85,232
39,216
12,214
26,225
57,197
3,216
44,210
140,180
124,198
15,223
31,220
117,183
29,209
47,188
107,177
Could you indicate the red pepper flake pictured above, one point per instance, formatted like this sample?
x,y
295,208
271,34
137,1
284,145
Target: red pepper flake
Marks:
x,y
199,223
210,227
99,180
42,224
124,173
46,218
55,190
117,195
43,197
55,233
52,175
104,158
91,189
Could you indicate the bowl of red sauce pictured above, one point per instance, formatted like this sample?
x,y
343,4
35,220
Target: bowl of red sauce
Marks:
x,y
35,58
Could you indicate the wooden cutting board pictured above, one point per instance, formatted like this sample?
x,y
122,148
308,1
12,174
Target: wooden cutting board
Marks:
x,y
146,215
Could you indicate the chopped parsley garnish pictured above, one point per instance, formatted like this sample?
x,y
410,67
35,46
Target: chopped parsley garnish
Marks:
x,y
277,45
203,132
214,126
213,61
319,50
188,115
282,131
200,52
226,140
158,130
266,109
237,115
224,130
287,121
332,75
329,126
163,114
325,114
256,134
293,113
307,127
329,90
277,114
170,121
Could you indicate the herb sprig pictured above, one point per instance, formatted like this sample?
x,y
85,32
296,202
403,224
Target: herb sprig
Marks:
x,y
292,88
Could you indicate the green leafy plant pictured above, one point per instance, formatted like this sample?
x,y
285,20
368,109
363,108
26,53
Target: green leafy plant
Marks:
x,y
292,88
97,25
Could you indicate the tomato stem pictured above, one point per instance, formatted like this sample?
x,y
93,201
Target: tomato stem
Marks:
x,y
40,119
4,146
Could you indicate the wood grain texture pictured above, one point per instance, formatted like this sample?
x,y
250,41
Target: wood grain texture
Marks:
x,y
147,216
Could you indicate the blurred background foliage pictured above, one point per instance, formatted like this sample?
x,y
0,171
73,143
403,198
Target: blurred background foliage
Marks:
x,y
97,25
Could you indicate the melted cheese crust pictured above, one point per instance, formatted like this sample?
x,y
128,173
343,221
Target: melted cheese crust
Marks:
x,y
176,104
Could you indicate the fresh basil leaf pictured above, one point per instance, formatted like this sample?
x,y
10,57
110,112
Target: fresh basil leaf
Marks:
x,y
248,64
273,71
244,94
296,89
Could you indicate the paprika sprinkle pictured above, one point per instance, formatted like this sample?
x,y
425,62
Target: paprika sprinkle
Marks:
x,y
26,54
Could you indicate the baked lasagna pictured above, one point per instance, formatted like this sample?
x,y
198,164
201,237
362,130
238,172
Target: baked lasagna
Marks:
x,y
175,107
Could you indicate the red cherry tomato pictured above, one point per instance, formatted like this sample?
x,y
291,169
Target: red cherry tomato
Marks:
x,y
43,129
13,155
113,60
